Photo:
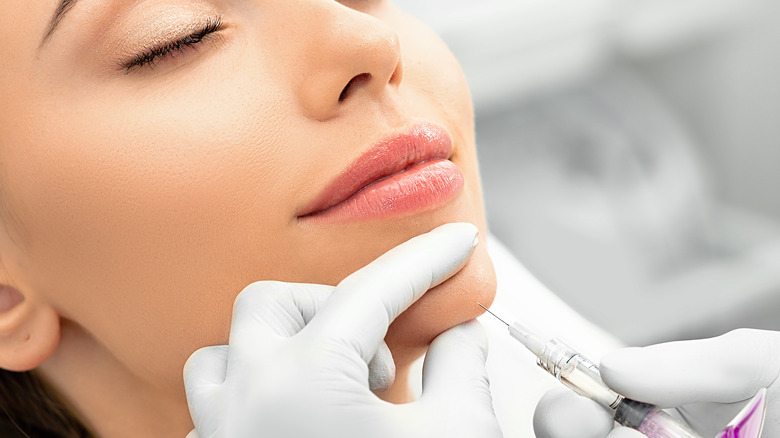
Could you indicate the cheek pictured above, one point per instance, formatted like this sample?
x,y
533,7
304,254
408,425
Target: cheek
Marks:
x,y
144,231
432,71
433,79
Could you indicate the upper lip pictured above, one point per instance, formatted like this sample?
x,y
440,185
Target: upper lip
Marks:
x,y
390,155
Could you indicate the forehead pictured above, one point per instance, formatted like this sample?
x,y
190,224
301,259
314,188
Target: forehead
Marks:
x,y
18,12
23,22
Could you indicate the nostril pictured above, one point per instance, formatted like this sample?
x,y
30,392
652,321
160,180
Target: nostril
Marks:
x,y
357,80
9,298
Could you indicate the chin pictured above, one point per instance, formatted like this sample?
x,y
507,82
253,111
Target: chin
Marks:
x,y
443,307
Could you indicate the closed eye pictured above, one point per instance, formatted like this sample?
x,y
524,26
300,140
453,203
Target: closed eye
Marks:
x,y
155,55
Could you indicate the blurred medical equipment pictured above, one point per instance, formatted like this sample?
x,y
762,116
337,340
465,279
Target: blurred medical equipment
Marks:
x,y
582,376
628,153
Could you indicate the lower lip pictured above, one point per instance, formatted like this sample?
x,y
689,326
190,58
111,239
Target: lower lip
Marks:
x,y
426,186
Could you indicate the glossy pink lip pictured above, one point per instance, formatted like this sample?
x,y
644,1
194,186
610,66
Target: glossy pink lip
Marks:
x,y
404,172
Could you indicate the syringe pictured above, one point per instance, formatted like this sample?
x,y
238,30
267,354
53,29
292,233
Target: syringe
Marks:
x,y
580,374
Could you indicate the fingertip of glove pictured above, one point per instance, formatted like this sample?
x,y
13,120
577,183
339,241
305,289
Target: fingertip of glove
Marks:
x,y
563,414
464,228
621,365
205,363
381,369
464,235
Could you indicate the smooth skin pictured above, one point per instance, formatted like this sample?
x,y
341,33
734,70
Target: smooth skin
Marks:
x,y
137,204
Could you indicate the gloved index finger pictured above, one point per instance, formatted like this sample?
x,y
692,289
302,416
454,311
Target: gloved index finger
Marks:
x,y
725,369
365,303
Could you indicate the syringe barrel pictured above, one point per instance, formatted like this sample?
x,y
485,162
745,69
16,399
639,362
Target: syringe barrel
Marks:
x,y
577,372
580,374
651,421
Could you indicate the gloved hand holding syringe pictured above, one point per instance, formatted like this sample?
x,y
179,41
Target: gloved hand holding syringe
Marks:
x,y
581,375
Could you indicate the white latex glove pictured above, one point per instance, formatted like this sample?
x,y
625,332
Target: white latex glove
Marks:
x,y
297,360
707,381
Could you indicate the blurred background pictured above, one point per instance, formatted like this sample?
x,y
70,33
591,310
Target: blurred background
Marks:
x,y
629,153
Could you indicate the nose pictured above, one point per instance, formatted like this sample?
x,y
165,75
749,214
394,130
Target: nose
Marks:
x,y
351,55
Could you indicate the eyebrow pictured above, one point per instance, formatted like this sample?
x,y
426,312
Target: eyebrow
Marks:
x,y
64,7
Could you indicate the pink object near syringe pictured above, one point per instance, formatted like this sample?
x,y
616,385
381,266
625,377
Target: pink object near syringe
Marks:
x,y
750,420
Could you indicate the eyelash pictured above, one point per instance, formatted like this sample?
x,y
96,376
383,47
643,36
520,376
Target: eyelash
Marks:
x,y
156,54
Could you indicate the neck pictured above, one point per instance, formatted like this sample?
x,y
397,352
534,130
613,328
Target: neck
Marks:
x,y
110,400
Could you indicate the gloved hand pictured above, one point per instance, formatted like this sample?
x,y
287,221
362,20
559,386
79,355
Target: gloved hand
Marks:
x,y
707,381
297,360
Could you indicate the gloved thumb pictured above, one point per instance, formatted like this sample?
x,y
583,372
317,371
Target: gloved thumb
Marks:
x,y
725,369
455,380
381,369
562,413
204,374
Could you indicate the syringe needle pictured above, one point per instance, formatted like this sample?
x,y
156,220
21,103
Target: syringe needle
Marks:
x,y
580,374
496,316
525,337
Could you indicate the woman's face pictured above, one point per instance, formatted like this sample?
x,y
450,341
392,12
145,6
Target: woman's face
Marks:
x,y
143,190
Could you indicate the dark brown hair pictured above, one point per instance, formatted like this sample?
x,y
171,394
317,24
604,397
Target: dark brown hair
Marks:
x,y
30,408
